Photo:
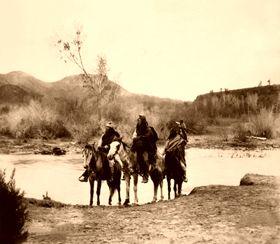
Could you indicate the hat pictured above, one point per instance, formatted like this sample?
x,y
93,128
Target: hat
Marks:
x,y
110,124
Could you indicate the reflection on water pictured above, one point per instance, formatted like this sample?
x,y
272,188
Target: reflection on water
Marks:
x,y
36,174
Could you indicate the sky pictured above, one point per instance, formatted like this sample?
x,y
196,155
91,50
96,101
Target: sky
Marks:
x,y
167,48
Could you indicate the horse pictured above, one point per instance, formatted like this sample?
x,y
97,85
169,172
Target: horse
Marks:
x,y
157,174
99,168
174,171
131,168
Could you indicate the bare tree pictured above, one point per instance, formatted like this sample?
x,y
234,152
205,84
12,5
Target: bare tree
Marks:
x,y
98,84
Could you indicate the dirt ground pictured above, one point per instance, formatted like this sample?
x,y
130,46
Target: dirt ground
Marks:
x,y
210,214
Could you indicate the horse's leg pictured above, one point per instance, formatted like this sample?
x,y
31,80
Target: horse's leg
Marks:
x,y
111,188
91,183
175,188
135,182
168,187
99,182
155,190
119,192
180,188
161,190
127,188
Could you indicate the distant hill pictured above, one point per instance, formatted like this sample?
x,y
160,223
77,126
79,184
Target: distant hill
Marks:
x,y
12,94
239,101
25,81
27,87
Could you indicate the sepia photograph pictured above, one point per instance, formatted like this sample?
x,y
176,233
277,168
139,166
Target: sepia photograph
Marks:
x,y
152,121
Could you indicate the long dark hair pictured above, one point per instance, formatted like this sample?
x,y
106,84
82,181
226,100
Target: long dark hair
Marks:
x,y
142,125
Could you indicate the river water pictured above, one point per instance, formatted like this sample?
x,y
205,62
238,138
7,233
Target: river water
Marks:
x,y
36,174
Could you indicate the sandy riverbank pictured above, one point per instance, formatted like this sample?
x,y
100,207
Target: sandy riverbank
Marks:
x,y
210,214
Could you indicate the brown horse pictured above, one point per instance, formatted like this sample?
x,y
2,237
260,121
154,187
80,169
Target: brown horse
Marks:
x,y
98,165
131,168
174,171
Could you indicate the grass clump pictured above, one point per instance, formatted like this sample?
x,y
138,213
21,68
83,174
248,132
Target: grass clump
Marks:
x,y
264,124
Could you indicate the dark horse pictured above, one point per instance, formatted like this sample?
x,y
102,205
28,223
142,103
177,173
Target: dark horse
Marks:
x,y
97,163
174,171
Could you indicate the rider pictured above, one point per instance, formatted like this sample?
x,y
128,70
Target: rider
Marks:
x,y
178,139
144,140
106,139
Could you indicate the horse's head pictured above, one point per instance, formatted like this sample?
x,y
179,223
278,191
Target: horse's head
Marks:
x,y
114,149
88,154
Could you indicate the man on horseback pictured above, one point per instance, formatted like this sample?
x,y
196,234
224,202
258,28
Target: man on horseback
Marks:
x,y
106,139
144,140
176,142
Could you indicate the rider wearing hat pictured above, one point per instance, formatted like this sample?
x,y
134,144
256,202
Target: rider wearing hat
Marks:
x,y
106,139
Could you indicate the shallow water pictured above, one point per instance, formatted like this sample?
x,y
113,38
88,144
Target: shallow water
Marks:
x,y
36,174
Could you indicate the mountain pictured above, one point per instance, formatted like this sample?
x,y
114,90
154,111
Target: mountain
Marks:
x,y
25,81
27,87
12,94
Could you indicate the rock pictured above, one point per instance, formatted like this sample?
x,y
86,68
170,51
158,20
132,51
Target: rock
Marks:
x,y
255,179
58,151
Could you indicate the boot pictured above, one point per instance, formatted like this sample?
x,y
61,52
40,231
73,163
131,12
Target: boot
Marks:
x,y
84,176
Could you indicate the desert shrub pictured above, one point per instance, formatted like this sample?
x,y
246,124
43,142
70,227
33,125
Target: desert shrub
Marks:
x,y
241,132
35,121
13,212
5,131
264,123
195,123
4,109
115,112
83,133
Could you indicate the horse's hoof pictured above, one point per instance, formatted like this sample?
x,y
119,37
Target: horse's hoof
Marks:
x,y
126,203
135,204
